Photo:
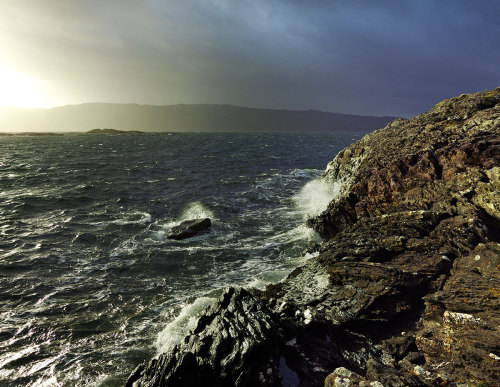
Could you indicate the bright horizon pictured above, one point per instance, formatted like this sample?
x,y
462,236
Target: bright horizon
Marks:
x,y
21,90
358,58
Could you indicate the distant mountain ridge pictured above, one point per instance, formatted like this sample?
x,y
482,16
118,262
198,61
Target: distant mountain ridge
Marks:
x,y
181,118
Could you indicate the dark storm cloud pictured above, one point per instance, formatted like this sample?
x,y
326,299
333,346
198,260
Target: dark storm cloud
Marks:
x,y
364,57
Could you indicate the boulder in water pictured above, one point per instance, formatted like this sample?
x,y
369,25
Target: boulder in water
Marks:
x,y
189,228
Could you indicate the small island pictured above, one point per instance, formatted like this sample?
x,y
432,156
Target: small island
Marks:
x,y
112,131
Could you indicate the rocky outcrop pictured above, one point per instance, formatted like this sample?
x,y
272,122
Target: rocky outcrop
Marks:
x,y
189,228
405,290
421,204
230,346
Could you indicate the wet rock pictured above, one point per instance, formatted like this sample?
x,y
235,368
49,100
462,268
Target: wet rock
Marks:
x,y
406,287
342,377
312,247
232,345
189,228
420,205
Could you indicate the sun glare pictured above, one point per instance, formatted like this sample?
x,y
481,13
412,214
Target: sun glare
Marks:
x,y
17,89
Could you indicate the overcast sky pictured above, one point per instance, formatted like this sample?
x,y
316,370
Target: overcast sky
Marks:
x,y
362,57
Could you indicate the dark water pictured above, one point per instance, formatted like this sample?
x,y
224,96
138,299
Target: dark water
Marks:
x,y
89,286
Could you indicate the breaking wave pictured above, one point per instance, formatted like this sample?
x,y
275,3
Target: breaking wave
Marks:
x,y
315,196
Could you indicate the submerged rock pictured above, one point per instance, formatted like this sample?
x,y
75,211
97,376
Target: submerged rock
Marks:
x,y
189,228
405,290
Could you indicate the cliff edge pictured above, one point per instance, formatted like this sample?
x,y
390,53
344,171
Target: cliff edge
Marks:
x,y
405,290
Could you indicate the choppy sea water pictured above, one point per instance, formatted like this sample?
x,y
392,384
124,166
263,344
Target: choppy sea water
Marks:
x,y
90,286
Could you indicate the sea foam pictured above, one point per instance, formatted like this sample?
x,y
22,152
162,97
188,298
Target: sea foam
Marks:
x,y
196,210
315,196
177,329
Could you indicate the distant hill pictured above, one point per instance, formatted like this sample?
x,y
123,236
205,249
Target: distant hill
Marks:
x,y
181,118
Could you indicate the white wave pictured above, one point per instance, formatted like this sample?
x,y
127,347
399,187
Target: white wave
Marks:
x,y
135,217
315,196
155,236
196,210
266,278
297,234
272,272
176,330
161,228
305,173
125,248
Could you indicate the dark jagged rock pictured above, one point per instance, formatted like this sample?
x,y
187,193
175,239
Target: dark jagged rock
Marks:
x,y
189,228
405,290
232,345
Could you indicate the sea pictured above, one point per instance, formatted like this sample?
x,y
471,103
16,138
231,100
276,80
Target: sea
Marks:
x,y
89,284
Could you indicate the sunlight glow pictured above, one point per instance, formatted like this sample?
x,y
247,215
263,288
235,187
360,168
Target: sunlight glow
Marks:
x,y
17,89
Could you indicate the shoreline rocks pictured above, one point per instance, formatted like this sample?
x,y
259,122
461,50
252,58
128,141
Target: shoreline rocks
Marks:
x,y
229,346
405,290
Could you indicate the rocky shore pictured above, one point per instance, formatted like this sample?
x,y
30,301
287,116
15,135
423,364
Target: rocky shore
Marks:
x,y
405,290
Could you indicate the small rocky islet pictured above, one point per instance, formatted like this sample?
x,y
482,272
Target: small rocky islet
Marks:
x,y
405,290
189,228
112,131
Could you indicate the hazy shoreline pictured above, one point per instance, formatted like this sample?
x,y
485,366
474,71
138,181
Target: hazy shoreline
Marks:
x,y
182,118
170,132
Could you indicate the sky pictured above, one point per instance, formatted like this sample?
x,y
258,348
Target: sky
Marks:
x,y
366,57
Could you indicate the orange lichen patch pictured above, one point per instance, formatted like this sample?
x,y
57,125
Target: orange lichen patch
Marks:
x,y
495,292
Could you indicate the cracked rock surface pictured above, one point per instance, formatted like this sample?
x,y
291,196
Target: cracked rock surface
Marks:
x,y
230,346
405,290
